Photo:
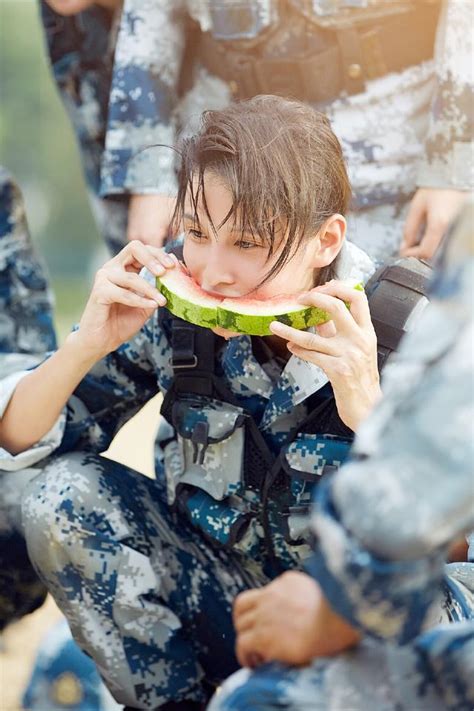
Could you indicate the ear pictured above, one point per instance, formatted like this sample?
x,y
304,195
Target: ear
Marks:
x,y
328,241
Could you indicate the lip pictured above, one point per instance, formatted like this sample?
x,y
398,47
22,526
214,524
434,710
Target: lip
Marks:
x,y
218,295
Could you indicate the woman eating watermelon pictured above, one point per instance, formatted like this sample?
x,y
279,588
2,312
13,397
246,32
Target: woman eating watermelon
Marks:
x,y
255,410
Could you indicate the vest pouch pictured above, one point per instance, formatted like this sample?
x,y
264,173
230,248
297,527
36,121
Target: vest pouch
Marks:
x,y
208,450
303,462
241,20
222,523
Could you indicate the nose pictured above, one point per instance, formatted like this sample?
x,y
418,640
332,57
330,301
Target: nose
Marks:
x,y
218,273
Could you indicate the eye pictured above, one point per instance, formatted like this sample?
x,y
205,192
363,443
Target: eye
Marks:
x,y
195,234
242,244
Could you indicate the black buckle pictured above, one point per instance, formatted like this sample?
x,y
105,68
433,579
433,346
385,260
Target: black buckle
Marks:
x,y
177,363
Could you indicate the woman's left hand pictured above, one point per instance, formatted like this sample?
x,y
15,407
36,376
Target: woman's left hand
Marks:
x,y
345,348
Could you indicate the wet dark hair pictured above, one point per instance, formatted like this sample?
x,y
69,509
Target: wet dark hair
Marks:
x,y
283,165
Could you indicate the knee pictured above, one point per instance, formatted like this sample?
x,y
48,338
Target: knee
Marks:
x,y
65,491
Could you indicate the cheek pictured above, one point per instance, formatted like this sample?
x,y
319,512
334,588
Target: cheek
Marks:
x,y
69,7
194,258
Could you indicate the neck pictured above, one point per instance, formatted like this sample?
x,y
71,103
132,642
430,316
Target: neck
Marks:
x,y
109,4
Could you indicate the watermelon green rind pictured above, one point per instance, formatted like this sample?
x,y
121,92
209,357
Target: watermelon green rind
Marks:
x,y
188,301
183,308
255,325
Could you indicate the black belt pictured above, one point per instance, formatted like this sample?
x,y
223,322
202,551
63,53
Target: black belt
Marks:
x,y
358,54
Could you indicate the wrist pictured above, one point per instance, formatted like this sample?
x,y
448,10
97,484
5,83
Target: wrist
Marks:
x,y
82,351
355,413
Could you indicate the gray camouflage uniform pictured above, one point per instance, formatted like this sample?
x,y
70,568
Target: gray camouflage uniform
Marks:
x,y
81,50
26,333
148,589
384,524
405,129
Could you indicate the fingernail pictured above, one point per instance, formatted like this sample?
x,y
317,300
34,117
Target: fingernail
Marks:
x,y
168,260
157,268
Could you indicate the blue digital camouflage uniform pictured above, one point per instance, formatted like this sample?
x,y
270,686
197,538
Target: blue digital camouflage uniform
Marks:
x,y
147,590
383,525
406,129
26,333
80,50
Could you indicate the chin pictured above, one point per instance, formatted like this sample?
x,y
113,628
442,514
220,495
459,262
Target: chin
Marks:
x,y
225,333
69,7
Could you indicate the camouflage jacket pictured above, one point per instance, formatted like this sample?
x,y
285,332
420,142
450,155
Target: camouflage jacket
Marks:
x,y
80,49
406,129
26,302
214,471
384,523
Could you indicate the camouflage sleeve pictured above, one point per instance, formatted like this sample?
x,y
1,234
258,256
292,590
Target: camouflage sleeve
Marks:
x,y
449,145
80,52
384,522
143,97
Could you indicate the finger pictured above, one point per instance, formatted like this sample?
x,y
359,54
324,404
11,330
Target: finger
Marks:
x,y
247,653
413,252
333,366
245,601
113,294
334,307
327,330
136,283
435,231
138,255
413,224
355,298
245,621
305,339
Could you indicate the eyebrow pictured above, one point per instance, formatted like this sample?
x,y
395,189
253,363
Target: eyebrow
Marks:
x,y
195,219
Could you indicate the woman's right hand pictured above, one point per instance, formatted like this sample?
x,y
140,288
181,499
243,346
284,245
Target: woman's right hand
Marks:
x,y
121,301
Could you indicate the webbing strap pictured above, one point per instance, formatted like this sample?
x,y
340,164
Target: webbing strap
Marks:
x,y
193,357
415,281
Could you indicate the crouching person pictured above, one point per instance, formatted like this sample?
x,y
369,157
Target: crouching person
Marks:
x,y
356,630
146,571
26,333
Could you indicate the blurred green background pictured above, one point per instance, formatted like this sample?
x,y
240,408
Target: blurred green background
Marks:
x,y
38,146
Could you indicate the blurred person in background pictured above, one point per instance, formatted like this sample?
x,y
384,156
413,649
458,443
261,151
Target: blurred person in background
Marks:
x,y
403,118
80,39
64,678
26,334
358,629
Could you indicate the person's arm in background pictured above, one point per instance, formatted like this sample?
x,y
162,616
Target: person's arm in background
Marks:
x,y
384,523
446,173
144,93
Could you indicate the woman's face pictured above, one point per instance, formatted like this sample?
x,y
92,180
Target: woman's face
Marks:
x,y
228,265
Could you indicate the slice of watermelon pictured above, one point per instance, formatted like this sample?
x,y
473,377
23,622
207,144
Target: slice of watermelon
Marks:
x,y
186,299
254,316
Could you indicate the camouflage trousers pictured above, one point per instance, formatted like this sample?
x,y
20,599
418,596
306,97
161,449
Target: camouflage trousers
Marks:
x,y
375,675
143,591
